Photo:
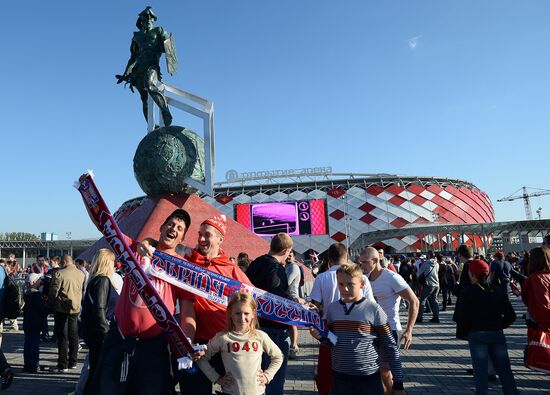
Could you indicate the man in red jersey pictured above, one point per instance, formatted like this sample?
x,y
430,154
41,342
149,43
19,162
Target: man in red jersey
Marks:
x,y
135,356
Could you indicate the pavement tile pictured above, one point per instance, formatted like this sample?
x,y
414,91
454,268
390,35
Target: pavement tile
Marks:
x,y
436,363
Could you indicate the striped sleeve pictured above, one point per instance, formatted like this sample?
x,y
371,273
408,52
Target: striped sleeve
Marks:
x,y
387,341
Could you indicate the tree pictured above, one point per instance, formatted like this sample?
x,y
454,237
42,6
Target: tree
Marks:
x,y
18,236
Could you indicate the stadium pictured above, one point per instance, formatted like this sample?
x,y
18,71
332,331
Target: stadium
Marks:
x,y
319,207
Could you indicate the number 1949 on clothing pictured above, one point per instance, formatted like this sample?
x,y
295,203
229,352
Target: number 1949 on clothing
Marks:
x,y
236,346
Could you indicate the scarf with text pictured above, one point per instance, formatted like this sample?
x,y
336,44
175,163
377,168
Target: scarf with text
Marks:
x,y
105,223
218,288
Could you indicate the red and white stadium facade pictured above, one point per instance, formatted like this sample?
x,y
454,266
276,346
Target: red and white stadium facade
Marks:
x,y
360,203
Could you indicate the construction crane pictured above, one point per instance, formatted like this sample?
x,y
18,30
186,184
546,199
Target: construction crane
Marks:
x,y
525,196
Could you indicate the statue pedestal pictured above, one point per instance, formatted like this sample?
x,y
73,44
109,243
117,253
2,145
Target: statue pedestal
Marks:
x,y
142,217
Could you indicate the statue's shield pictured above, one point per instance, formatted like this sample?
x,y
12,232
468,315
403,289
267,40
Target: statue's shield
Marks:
x,y
170,52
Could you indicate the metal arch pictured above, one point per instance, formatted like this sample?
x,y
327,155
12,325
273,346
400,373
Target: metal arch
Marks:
x,y
362,180
533,227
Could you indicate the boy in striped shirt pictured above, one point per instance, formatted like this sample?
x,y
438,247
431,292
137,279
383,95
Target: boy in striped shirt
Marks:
x,y
359,326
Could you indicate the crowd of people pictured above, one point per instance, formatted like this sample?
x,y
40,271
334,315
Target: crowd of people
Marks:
x,y
360,299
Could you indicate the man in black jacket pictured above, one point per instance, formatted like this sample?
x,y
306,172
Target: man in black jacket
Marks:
x,y
267,272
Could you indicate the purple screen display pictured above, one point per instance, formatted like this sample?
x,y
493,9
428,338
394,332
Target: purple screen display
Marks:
x,y
271,218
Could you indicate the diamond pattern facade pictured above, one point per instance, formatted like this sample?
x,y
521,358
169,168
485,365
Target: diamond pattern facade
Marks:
x,y
356,206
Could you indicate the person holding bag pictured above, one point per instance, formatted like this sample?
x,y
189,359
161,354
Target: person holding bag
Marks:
x,y
427,277
535,293
481,315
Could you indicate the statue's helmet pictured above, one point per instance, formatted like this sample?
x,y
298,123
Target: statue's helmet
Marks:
x,y
147,12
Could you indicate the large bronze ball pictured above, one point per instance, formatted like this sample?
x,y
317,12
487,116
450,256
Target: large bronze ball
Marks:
x,y
165,157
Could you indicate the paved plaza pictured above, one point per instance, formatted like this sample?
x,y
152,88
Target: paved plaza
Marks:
x,y
436,363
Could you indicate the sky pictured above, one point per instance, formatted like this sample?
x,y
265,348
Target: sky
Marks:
x,y
456,89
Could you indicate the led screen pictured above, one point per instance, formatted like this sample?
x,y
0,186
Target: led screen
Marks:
x,y
303,217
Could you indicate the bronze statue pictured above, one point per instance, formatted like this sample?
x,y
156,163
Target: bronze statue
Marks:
x,y
143,69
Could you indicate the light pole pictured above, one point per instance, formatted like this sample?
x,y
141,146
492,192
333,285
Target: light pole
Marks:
x,y
70,243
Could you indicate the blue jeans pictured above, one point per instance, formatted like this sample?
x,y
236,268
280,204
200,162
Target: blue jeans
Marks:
x,y
281,338
485,344
31,349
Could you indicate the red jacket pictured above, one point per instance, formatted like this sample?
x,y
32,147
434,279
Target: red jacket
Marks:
x,y
211,316
535,293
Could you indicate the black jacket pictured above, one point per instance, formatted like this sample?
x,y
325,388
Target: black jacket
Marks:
x,y
98,307
34,311
266,273
482,309
464,280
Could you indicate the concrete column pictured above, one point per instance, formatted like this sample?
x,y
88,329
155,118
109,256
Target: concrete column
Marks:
x,y
24,257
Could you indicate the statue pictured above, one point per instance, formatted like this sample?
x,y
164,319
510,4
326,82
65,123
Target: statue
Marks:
x,y
143,69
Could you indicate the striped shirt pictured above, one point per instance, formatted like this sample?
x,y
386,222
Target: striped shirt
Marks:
x,y
359,328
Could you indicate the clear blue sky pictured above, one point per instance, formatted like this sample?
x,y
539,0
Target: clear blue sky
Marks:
x,y
455,89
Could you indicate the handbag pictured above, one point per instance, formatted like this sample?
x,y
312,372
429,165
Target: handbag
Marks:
x,y
538,350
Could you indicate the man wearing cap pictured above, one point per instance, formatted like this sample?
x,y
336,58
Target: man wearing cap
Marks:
x,y
210,317
388,289
135,357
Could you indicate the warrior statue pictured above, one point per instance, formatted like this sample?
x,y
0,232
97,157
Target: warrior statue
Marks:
x,y
143,69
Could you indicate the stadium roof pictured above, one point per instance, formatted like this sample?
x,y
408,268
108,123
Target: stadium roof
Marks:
x,y
271,183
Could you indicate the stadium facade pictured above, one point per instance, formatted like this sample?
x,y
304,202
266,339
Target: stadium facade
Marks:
x,y
357,204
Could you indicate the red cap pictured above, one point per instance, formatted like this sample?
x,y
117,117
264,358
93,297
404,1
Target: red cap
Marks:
x,y
217,222
499,255
479,268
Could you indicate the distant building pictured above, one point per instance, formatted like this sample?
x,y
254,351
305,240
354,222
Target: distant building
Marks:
x,y
45,236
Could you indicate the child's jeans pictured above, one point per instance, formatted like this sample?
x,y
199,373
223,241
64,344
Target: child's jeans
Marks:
x,y
31,353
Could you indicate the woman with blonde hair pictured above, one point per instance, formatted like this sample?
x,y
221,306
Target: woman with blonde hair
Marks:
x,y
98,308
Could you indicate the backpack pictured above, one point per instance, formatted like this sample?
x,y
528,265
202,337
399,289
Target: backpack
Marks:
x,y
13,302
